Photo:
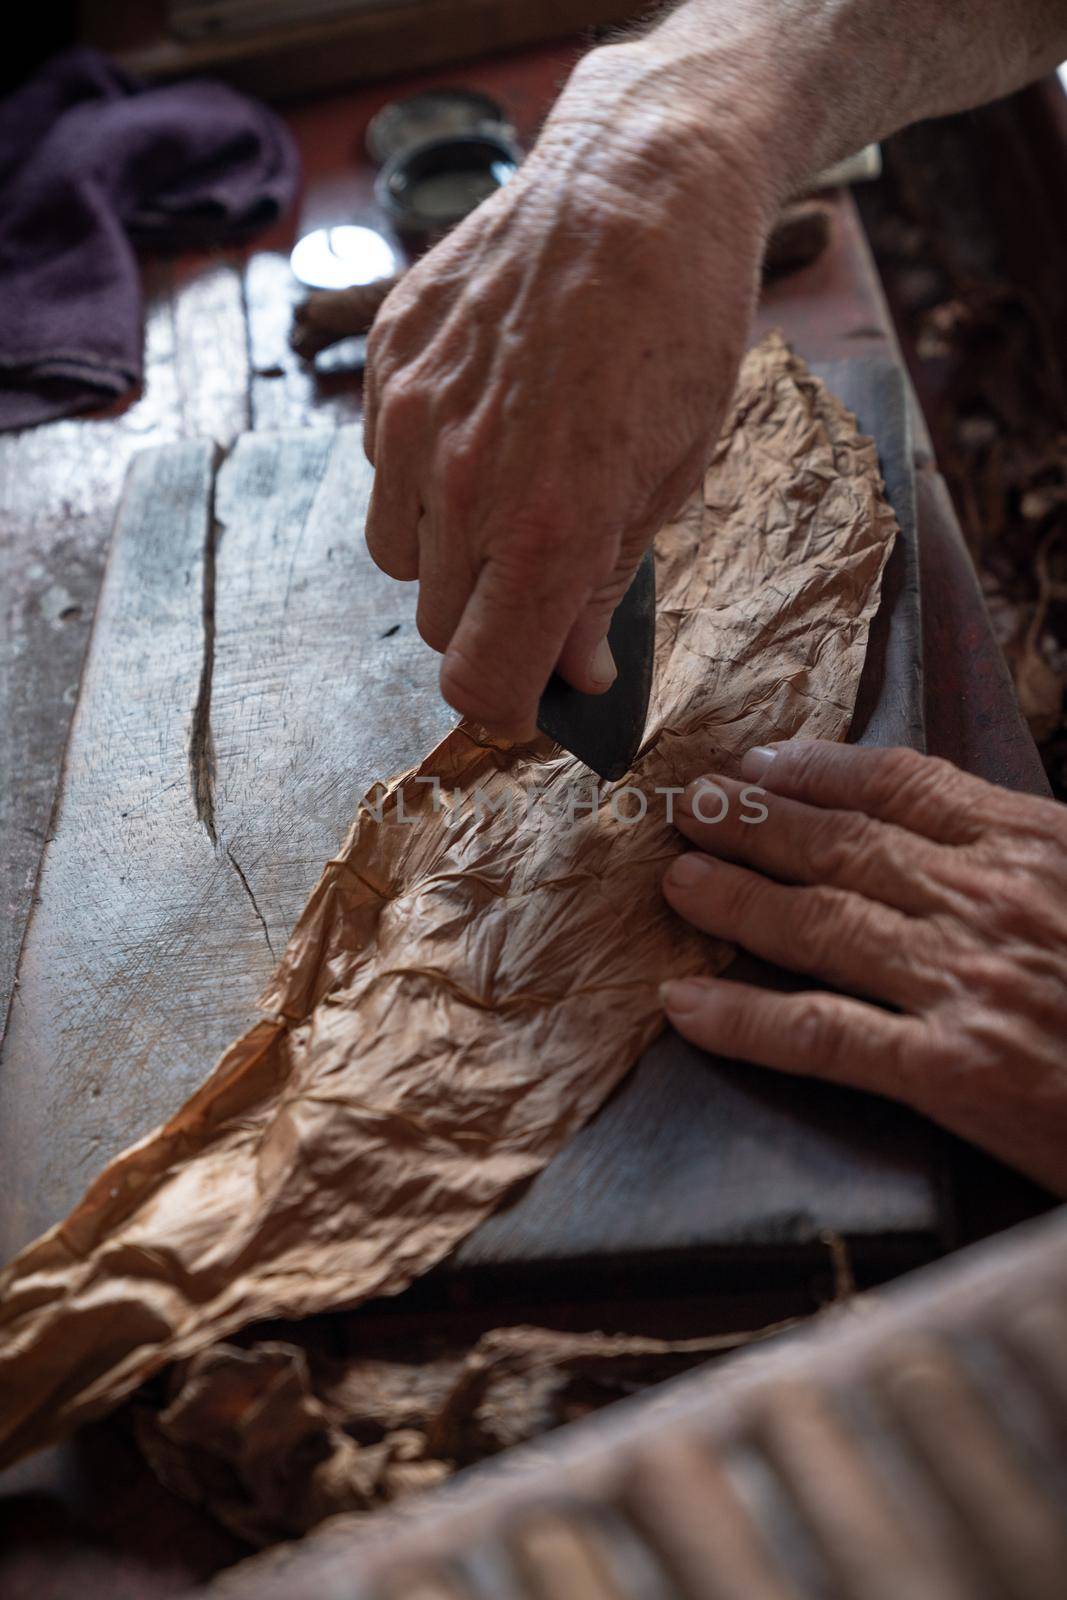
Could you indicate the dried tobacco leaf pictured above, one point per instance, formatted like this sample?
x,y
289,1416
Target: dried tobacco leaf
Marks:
x,y
273,1439
464,989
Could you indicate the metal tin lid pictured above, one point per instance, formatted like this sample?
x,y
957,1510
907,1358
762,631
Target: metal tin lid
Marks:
x,y
433,114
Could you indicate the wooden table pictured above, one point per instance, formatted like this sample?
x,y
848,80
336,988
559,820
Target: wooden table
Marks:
x,y
218,364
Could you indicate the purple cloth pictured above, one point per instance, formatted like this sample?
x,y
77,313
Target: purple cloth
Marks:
x,y
92,164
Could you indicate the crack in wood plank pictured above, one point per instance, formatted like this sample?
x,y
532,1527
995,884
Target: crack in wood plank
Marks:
x,y
255,903
202,763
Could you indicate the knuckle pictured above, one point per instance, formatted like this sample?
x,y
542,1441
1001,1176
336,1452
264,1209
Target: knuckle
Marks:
x,y
549,516
834,844
899,1063
376,352
903,1059
530,589
813,1035
925,791
1034,869
1019,908
1044,820
390,315
992,978
611,590
851,1045
937,775
942,1053
815,916
892,774
539,538
741,895
400,403
739,1028
802,763
962,1062
1015,908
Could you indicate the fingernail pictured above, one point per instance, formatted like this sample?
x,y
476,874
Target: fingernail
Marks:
x,y
757,760
602,668
698,785
688,870
683,994
706,800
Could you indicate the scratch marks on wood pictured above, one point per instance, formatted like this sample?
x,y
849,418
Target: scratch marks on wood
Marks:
x,y
255,904
323,467
202,763
211,351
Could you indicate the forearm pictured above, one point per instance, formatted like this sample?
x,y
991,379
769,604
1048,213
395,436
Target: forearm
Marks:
x,y
809,81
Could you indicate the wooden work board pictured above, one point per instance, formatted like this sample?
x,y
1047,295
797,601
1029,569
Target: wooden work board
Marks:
x,y
251,674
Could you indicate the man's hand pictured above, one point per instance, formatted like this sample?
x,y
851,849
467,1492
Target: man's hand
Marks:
x,y
545,387
899,878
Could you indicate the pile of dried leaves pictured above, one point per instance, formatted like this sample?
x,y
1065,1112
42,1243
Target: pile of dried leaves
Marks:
x,y
978,316
274,1437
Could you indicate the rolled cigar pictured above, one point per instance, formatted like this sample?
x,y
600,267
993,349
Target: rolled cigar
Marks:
x,y
330,315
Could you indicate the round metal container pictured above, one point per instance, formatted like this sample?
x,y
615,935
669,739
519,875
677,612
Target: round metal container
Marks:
x,y
427,189
434,114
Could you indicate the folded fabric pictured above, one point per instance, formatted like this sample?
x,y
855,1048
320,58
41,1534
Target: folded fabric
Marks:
x,y
92,164
479,966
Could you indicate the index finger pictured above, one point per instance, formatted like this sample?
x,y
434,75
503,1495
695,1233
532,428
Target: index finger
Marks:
x,y
506,645
922,793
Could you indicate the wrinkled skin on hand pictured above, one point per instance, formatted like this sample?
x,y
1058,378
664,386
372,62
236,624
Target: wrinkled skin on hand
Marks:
x,y
545,387
895,877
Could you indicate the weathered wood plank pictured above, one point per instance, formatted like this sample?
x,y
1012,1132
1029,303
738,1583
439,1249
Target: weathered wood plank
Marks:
x,y
97,1030
252,672
322,684
211,364
59,489
711,1162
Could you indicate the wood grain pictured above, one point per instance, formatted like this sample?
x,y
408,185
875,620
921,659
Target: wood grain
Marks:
x,y
250,612
59,487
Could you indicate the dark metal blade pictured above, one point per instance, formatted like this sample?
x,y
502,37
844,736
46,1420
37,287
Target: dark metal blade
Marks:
x,y
605,730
